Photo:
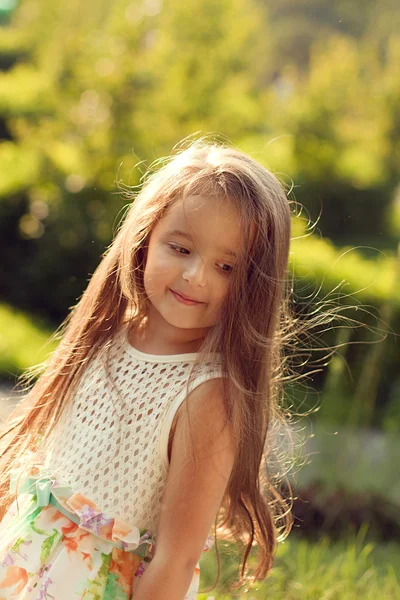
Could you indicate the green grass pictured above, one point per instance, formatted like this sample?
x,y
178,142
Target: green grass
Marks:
x,y
348,570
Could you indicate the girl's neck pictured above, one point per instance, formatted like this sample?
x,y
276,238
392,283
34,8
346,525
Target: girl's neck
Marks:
x,y
153,335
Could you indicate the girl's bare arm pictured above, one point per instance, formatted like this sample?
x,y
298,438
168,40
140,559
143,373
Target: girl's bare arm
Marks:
x,y
192,495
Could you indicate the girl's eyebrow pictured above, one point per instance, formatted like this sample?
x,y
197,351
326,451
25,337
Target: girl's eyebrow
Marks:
x,y
189,237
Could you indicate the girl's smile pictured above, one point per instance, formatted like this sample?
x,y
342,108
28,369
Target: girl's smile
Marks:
x,y
185,300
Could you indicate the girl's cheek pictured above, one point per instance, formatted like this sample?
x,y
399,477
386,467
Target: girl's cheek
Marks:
x,y
160,260
224,292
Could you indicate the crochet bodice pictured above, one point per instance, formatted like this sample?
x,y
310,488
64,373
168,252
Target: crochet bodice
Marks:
x,y
112,442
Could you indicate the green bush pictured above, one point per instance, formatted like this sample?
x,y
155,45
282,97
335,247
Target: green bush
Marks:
x,y
23,342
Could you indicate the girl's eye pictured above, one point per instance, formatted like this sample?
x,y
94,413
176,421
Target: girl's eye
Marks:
x,y
177,248
229,267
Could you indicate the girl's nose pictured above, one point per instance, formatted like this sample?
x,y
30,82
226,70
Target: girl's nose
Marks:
x,y
195,272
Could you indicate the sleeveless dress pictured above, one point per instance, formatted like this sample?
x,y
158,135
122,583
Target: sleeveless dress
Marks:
x,y
85,520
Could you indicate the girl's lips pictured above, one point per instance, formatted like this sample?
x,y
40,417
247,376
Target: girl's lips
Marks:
x,y
183,300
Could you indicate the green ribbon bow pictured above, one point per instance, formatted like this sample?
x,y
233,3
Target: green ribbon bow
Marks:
x,y
41,488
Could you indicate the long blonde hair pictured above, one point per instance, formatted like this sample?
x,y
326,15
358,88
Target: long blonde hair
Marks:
x,y
249,336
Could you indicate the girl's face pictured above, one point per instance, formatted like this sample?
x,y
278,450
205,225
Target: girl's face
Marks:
x,y
192,251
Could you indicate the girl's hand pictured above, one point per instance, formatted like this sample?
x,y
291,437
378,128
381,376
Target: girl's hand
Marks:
x,y
163,581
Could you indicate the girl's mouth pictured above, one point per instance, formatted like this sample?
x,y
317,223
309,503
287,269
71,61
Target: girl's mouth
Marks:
x,y
184,300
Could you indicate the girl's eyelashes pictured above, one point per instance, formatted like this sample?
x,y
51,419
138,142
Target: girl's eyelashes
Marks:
x,y
178,249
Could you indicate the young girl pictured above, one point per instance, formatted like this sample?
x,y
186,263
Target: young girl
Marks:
x,y
150,420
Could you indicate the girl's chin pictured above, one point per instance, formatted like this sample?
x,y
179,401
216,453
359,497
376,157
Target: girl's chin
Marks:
x,y
182,318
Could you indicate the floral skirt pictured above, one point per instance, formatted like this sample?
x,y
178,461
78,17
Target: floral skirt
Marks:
x,y
56,544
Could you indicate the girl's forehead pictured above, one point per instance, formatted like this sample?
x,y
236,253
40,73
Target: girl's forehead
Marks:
x,y
198,209
205,218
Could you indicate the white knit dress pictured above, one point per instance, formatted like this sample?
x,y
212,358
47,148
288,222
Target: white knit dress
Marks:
x,y
87,517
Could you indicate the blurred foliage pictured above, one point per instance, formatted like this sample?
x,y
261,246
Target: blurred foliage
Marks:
x,y
22,342
355,463
91,93
300,23
318,260
318,512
